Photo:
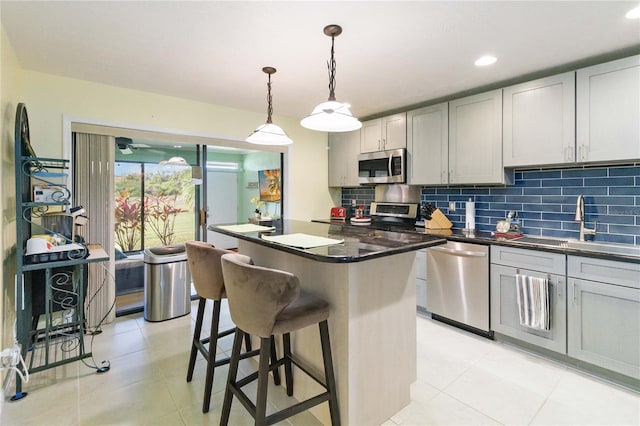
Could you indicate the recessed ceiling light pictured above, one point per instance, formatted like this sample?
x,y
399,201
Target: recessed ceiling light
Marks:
x,y
633,13
485,60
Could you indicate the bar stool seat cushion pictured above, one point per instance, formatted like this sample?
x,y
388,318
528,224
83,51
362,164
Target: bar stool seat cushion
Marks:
x,y
306,310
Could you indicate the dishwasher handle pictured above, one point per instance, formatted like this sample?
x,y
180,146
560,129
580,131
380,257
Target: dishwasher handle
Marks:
x,y
454,252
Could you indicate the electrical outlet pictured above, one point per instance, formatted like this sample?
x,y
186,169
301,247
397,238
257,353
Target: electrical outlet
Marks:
x,y
452,206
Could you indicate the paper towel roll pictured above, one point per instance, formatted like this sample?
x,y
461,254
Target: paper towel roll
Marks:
x,y
470,215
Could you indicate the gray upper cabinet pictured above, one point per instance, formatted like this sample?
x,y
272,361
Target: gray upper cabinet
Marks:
x,y
384,133
428,145
607,111
344,148
475,140
539,122
603,314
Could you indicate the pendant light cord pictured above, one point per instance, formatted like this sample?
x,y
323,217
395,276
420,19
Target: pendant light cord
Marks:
x,y
331,66
269,106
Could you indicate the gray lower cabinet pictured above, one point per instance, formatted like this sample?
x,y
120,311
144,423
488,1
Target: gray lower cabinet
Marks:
x,y
604,313
421,279
506,262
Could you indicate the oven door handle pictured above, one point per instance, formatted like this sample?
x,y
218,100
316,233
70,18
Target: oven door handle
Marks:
x,y
459,252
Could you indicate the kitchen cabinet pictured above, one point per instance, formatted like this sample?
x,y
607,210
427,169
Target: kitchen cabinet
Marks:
x,y
421,280
475,140
506,262
428,145
607,111
539,122
384,133
344,148
604,313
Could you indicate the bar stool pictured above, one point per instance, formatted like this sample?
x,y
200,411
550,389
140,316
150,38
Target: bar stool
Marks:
x,y
206,272
264,302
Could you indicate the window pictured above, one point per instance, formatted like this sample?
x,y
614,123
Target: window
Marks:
x,y
154,205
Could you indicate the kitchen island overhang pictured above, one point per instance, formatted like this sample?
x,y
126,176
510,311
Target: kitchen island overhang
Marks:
x,y
369,281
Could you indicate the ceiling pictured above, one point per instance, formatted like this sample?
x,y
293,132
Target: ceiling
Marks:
x,y
391,54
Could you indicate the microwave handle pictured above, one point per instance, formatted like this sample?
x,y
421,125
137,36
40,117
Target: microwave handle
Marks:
x,y
389,165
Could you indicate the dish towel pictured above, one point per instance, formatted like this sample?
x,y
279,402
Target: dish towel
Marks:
x,y
534,302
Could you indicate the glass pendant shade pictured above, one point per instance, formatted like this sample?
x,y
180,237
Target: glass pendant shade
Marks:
x,y
331,116
269,134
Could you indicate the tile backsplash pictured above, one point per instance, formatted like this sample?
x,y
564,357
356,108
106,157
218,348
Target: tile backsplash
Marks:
x,y
545,200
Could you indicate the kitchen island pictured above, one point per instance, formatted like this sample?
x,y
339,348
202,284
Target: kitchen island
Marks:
x,y
368,277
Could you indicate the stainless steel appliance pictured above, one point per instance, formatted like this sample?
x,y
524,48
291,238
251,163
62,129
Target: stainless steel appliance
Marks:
x,y
383,166
167,283
458,285
394,216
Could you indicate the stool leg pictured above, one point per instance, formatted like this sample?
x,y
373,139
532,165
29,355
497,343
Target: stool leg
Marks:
x,y
328,373
231,379
196,338
288,375
247,342
263,381
211,358
274,359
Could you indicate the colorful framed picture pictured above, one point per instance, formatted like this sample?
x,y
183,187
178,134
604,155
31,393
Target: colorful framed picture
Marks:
x,y
269,185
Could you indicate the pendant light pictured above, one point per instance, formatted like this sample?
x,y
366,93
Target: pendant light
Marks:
x,y
332,116
269,133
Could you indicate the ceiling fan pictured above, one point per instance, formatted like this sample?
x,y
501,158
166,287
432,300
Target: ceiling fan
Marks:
x,y
127,146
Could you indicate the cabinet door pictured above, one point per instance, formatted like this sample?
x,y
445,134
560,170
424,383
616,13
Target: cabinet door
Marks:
x,y
539,122
475,139
607,111
344,148
504,309
394,131
428,145
371,136
604,325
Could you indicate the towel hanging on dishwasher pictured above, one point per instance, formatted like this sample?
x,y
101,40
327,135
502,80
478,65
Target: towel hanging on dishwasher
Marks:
x,y
534,302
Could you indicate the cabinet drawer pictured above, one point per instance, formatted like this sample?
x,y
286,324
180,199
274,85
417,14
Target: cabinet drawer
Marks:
x,y
536,260
608,271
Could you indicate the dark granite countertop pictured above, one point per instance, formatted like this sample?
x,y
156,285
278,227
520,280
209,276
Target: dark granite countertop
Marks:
x,y
360,243
556,245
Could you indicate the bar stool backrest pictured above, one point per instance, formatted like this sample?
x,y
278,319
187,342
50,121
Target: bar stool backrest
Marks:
x,y
256,294
206,270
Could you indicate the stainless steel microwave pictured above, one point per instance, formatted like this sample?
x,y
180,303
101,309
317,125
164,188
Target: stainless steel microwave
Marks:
x,y
383,166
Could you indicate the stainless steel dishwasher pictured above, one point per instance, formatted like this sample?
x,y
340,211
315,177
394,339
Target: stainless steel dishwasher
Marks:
x,y
458,285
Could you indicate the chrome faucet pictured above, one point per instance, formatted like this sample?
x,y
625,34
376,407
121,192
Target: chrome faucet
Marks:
x,y
580,218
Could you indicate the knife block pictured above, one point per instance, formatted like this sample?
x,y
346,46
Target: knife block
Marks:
x,y
438,221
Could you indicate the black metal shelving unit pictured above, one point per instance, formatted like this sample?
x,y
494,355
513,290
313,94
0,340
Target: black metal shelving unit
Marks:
x,y
49,284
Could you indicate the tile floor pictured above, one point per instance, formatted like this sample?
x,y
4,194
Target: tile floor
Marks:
x,y
462,380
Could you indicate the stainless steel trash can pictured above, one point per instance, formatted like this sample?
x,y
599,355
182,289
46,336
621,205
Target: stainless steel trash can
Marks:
x,y
167,283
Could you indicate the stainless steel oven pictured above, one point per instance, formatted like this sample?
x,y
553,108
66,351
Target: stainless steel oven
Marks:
x,y
383,166
458,285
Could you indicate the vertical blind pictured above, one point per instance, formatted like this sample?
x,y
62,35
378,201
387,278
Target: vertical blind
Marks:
x,y
93,188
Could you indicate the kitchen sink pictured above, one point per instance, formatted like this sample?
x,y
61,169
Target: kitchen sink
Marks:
x,y
597,247
603,247
541,241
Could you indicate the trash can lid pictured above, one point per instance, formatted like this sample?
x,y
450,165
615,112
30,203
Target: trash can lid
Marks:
x,y
167,250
